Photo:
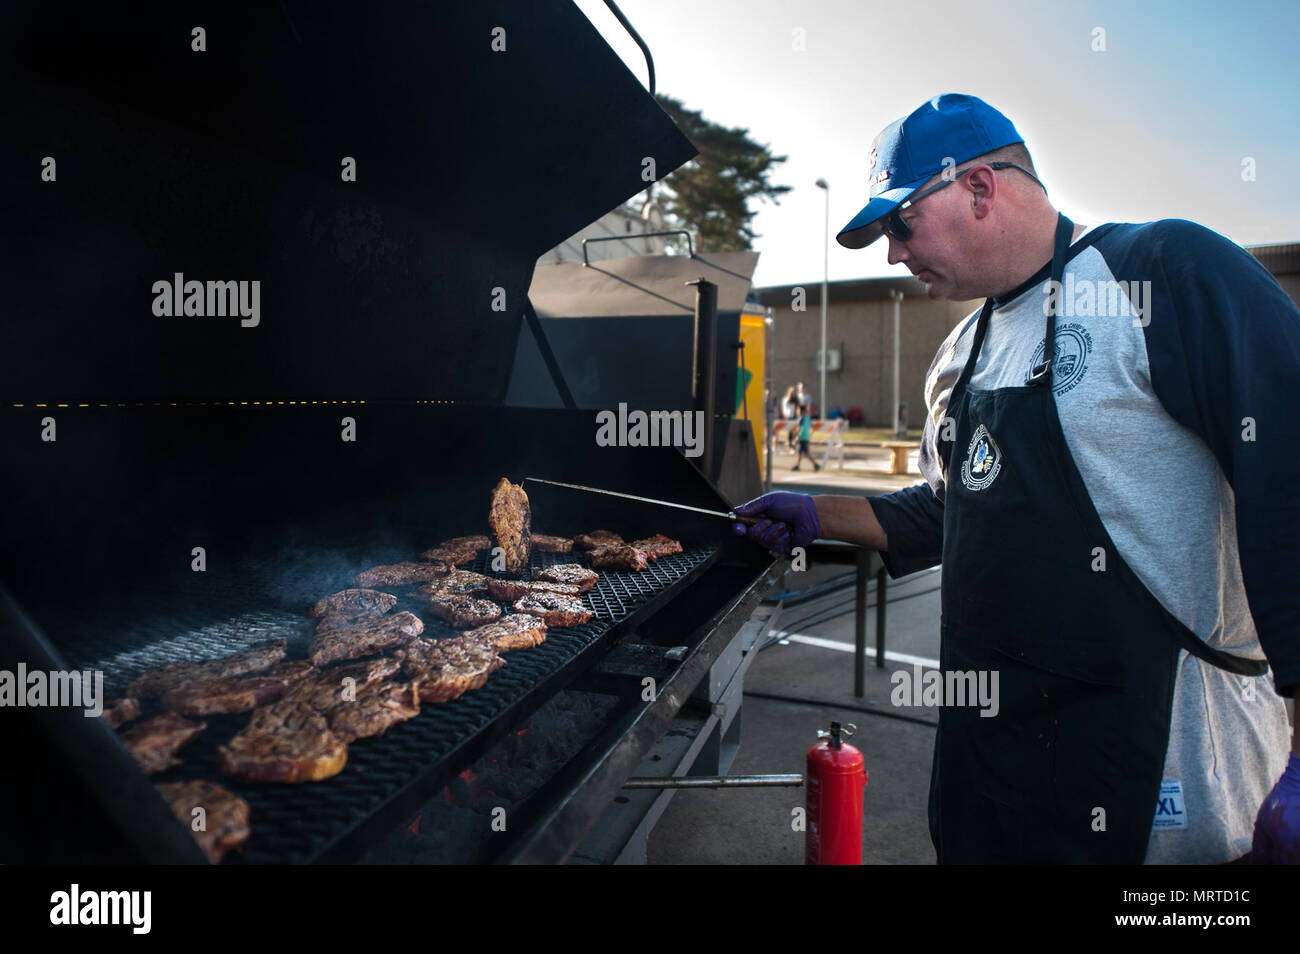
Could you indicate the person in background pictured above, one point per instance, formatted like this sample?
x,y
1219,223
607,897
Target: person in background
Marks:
x,y
805,436
790,412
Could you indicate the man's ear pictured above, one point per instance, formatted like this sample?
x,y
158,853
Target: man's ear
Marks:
x,y
982,186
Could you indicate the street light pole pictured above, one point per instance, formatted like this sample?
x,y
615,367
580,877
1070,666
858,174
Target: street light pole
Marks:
x,y
826,271
897,296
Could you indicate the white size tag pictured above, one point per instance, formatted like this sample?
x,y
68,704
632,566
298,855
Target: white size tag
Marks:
x,y
1171,812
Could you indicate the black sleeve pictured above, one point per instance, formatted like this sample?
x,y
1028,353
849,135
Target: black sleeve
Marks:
x,y
913,523
1224,347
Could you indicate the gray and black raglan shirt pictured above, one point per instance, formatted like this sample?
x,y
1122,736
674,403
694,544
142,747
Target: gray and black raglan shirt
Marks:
x,y
1177,360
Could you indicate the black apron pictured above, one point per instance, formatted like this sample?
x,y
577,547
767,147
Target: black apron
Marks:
x,y
1069,769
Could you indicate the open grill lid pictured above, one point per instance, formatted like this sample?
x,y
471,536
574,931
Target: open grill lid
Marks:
x,y
484,132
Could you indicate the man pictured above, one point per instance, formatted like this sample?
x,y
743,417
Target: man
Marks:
x,y
1113,489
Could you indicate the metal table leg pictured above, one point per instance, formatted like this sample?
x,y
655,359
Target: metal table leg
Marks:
x,y
880,618
860,622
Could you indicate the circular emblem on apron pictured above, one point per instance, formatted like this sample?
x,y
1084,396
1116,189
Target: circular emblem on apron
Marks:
x,y
983,460
1073,345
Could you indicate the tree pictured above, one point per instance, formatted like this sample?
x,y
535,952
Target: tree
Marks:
x,y
709,196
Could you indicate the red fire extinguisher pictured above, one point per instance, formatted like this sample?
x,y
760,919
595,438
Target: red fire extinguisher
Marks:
x,y
835,779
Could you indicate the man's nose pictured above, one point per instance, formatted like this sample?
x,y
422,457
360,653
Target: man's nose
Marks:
x,y
897,250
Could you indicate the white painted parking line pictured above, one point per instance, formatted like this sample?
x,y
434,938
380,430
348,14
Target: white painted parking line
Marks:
x,y
840,647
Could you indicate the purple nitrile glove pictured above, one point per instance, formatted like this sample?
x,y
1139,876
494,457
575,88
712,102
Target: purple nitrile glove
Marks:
x,y
785,521
1277,826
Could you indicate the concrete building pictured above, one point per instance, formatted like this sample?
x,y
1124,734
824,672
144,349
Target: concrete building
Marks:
x,y
1284,262
860,324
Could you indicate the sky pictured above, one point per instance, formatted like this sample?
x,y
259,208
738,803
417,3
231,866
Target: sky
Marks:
x,y
1156,125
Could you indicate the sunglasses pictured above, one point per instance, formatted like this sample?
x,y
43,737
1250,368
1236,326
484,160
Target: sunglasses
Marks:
x,y
896,227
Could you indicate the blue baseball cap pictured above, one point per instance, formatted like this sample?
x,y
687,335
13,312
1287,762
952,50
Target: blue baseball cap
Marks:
x,y
910,151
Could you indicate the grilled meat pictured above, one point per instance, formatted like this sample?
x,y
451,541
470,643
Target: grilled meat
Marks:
x,y
474,542
155,741
457,583
457,550
511,522
450,555
544,543
365,638
517,631
448,668
154,682
510,590
354,602
326,688
236,693
555,608
573,574
657,546
619,557
118,712
462,611
376,706
396,574
225,814
597,538
284,742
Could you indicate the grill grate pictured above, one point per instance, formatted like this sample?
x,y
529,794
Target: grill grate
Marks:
x,y
299,823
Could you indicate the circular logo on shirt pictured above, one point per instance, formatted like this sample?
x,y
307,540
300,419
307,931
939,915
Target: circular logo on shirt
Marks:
x,y
1073,345
983,460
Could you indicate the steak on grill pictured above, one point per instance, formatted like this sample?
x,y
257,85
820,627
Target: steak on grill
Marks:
x,y
448,668
572,574
657,546
510,590
236,693
364,638
597,538
284,742
155,741
326,688
555,608
396,574
516,631
225,814
619,557
354,602
511,521
376,706
450,554
545,543
118,712
154,682
458,583
462,611
475,542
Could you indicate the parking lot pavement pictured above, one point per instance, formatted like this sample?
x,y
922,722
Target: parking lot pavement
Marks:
x,y
796,687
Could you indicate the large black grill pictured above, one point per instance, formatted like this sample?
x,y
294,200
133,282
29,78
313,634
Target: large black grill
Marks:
x,y
394,302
